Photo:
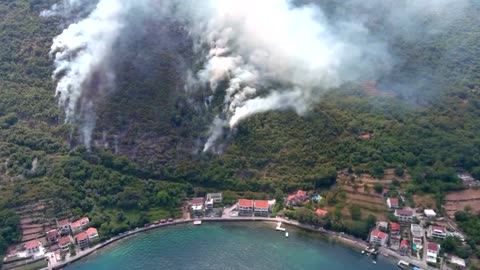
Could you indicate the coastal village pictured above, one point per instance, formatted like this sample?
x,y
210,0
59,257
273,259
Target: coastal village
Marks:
x,y
413,235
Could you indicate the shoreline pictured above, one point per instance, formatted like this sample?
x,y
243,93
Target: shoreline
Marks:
x,y
337,238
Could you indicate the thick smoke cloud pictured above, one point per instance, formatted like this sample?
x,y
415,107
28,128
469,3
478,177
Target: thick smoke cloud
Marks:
x,y
263,55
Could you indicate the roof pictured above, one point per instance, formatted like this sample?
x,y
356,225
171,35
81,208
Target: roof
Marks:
x,y
404,212
194,201
433,246
404,243
80,222
385,191
379,234
438,228
291,197
301,193
429,212
261,204
52,234
32,244
214,195
394,226
458,261
64,240
92,231
81,236
365,136
63,222
245,203
393,200
321,212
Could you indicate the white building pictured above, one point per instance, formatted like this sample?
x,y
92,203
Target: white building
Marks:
x,y
33,247
215,197
437,232
378,237
429,213
417,234
432,252
404,215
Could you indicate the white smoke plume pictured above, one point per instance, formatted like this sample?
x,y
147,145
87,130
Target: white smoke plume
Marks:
x,y
271,54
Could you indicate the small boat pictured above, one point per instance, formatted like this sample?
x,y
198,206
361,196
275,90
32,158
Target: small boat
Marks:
x,y
197,222
403,264
375,262
363,251
286,234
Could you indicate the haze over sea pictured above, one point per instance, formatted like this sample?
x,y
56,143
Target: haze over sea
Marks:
x,y
227,246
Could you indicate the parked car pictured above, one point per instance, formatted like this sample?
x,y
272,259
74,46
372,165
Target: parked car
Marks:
x,y
170,220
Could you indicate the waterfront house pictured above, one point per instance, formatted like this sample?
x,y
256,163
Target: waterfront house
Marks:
x,y
33,247
92,234
64,243
394,229
82,240
245,207
417,234
404,215
321,212
437,232
79,225
64,226
430,214
261,208
196,205
297,198
209,204
378,237
432,252
392,203
52,236
404,247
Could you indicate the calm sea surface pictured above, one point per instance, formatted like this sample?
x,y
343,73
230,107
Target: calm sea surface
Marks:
x,y
227,246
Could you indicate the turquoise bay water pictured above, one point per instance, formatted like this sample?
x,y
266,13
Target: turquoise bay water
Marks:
x,y
227,246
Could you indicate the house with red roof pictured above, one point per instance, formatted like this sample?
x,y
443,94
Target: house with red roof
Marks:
x,y
297,198
432,252
439,232
394,229
392,203
321,212
245,207
196,205
92,233
33,247
82,240
404,246
378,237
64,243
261,207
80,224
64,226
52,236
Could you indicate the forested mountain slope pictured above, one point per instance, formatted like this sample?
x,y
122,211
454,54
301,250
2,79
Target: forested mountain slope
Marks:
x,y
146,157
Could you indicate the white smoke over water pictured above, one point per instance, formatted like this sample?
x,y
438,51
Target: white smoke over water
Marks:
x,y
272,54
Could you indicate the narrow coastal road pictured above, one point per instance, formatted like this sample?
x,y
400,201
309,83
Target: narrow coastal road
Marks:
x,y
341,238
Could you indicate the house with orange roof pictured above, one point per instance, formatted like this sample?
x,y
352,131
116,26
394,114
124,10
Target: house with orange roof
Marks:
x,y
92,233
321,212
64,243
261,208
378,237
245,207
33,247
52,236
297,198
80,224
82,240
